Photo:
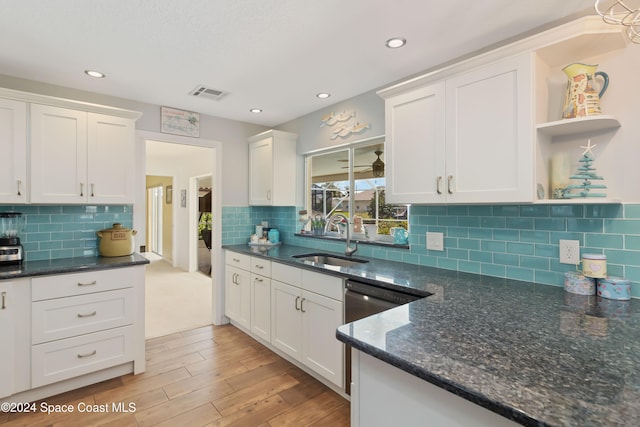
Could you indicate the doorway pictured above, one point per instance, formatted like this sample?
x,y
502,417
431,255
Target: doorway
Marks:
x,y
179,296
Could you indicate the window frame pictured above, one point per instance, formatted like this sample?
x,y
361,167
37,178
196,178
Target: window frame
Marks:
x,y
350,148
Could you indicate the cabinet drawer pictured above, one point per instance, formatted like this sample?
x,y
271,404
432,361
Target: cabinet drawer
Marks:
x,y
261,266
67,317
65,285
286,274
323,284
238,260
59,360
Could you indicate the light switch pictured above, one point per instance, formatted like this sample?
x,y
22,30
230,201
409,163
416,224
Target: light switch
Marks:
x,y
435,241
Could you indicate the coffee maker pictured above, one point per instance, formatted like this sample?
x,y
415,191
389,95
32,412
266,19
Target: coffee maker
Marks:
x,y
11,225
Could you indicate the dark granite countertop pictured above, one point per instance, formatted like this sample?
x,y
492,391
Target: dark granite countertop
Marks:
x,y
69,265
532,353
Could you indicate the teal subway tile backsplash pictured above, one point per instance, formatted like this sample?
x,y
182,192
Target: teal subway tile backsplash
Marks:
x,y
514,241
65,231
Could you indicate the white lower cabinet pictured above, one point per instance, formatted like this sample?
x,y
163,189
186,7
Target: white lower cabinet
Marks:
x,y
14,336
286,319
62,359
85,322
304,323
6,338
295,311
237,305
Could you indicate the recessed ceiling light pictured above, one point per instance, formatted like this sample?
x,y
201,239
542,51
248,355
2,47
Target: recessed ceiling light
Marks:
x,y
395,42
323,95
256,110
96,74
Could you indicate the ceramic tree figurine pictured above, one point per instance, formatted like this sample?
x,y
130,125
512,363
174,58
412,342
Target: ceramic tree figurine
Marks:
x,y
586,172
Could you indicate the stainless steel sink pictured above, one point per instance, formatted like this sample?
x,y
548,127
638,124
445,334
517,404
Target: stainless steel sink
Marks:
x,y
328,259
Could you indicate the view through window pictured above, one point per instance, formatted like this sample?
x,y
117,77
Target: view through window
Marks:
x,y
332,176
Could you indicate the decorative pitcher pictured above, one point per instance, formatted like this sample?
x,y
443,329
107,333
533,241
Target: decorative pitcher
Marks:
x,y
583,99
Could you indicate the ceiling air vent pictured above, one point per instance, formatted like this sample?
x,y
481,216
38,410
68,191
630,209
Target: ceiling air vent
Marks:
x,y
205,92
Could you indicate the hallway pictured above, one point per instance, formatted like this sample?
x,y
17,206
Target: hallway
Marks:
x,y
175,300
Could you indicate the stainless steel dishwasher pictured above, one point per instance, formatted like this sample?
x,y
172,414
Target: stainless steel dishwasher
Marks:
x,y
362,300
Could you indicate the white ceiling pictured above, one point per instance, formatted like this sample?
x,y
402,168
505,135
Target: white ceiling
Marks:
x,y
270,54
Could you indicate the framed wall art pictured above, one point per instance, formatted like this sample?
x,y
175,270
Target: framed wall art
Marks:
x,y
179,122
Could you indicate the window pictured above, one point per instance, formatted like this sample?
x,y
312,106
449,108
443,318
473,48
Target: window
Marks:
x,y
331,177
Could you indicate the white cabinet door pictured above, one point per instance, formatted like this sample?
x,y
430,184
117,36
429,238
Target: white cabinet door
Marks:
x,y
321,350
110,163
286,321
415,132
238,296
261,172
13,145
58,155
272,169
489,133
7,331
261,306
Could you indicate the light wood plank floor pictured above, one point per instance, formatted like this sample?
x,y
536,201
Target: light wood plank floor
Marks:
x,y
210,376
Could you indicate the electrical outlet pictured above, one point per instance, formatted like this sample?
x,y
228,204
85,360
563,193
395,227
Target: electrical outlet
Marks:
x,y
435,241
569,251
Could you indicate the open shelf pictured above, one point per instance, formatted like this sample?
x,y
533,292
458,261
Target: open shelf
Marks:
x,y
578,125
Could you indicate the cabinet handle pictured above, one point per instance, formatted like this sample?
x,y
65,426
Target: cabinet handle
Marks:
x,y
82,189
438,181
449,181
259,266
257,279
19,184
4,301
297,299
87,315
268,194
93,353
92,195
236,260
88,283
235,278
302,302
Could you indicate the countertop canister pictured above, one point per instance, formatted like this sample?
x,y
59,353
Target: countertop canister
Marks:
x,y
594,265
616,288
116,241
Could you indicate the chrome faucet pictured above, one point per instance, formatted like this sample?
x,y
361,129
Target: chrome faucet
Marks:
x,y
349,250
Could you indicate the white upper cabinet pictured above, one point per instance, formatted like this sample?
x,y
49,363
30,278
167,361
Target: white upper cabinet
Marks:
x,y
80,157
464,139
272,169
489,143
13,145
110,165
58,155
415,152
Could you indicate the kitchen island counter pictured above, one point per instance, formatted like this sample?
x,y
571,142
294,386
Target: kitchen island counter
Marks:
x,y
531,353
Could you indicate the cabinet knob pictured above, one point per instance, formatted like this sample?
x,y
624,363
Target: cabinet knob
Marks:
x,y
449,186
